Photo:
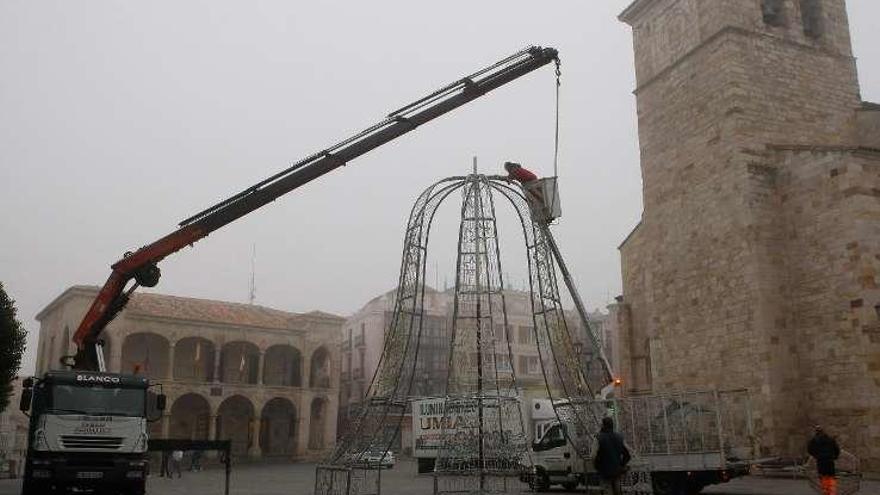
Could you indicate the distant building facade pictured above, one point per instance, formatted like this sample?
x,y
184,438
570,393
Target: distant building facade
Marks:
x,y
363,338
757,260
266,379
602,329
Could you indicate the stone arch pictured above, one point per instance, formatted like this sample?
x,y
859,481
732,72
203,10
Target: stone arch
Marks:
x,y
282,366
239,362
194,359
319,371
278,430
190,416
235,418
317,423
146,354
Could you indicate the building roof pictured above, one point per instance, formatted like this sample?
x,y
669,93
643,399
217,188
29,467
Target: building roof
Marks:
x,y
205,310
187,308
629,236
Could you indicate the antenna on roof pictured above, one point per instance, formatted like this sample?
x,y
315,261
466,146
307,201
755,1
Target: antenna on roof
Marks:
x,y
252,293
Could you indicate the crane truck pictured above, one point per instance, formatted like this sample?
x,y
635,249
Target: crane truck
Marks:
x,y
87,428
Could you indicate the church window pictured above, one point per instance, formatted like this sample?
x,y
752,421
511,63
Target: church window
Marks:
x,y
774,12
811,16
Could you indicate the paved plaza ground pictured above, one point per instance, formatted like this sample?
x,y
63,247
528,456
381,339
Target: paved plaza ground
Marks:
x,y
299,479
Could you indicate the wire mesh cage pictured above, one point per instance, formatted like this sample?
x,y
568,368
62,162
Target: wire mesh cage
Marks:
x,y
344,480
487,483
637,480
687,423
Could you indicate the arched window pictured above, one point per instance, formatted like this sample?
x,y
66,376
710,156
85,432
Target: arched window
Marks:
x,y
278,428
146,354
239,362
282,366
190,415
194,359
234,418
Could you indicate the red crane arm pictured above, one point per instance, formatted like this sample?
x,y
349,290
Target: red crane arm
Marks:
x,y
111,299
142,264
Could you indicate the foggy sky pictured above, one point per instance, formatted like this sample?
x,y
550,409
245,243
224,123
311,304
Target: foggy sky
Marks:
x,y
118,119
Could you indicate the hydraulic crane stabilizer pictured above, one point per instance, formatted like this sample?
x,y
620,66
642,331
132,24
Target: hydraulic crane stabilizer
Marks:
x,y
142,265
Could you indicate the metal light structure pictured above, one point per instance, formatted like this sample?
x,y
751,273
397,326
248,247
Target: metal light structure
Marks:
x,y
485,449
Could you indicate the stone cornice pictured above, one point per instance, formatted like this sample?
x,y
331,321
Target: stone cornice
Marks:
x,y
76,290
213,324
631,14
812,148
629,236
735,30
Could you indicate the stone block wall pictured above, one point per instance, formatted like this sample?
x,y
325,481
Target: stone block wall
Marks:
x,y
739,274
868,119
666,32
831,216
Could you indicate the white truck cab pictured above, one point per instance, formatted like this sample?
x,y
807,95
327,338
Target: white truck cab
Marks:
x,y
556,461
87,433
685,440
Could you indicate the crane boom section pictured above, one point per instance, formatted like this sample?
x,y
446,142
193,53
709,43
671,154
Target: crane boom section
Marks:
x,y
141,265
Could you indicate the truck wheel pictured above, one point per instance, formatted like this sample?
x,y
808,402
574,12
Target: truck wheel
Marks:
x,y
667,484
570,486
29,487
694,489
137,489
540,482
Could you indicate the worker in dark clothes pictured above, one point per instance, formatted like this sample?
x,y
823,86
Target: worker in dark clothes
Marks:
x,y
825,450
611,456
164,470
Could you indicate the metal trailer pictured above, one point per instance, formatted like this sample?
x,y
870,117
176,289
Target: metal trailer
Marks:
x,y
688,440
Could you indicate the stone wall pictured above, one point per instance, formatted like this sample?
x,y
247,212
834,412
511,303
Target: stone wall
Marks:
x,y
831,215
739,274
868,119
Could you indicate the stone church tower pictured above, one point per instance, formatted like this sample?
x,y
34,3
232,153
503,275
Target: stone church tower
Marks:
x,y
757,260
